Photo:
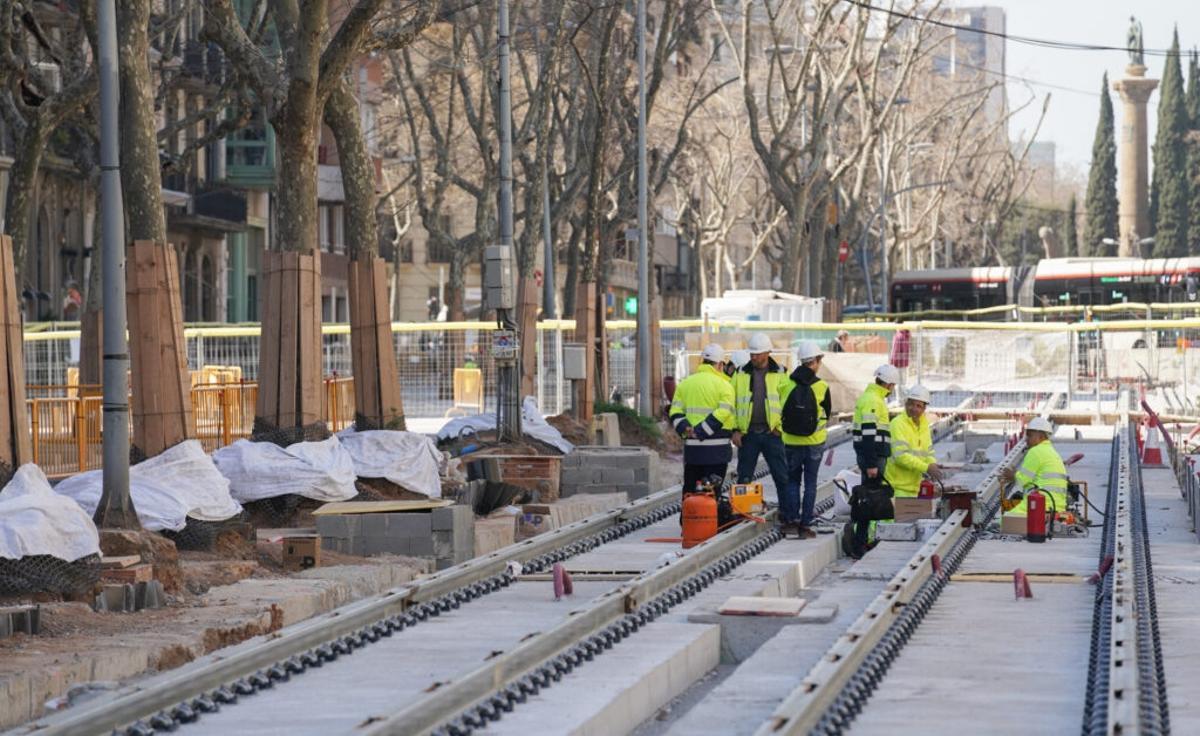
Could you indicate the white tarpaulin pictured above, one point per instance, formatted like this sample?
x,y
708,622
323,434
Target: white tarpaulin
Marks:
x,y
407,459
322,471
34,520
532,424
166,489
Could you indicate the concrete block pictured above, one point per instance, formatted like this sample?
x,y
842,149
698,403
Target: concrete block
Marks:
x,y
373,525
635,491
451,517
896,532
641,475
818,614
420,546
409,525
757,605
616,476
578,476
337,525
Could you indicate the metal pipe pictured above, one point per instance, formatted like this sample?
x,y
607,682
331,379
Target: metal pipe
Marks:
x,y
508,395
644,352
116,507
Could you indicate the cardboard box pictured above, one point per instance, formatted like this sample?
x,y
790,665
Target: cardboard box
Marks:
x,y
1013,524
911,509
301,553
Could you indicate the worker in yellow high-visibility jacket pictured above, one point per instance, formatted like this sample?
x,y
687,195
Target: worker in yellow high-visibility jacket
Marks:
x,y
912,455
872,444
1041,468
702,414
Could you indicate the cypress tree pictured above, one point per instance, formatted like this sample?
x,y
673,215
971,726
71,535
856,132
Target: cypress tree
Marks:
x,y
1193,151
1100,205
1071,228
1170,209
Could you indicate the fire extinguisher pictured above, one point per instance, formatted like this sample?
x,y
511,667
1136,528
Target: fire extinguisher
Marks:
x,y
1035,521
926,489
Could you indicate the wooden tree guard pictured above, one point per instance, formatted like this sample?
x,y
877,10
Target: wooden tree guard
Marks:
x,y
585,334
162,406
527,308
655,359
16,445
289,359
372,353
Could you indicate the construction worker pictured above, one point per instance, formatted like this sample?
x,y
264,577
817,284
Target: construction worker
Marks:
x,y
702,414
758,402
872,440
912,455
737,360
807,407
1041,468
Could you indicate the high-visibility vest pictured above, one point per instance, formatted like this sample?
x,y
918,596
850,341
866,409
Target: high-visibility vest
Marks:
x,y
1042,468
912,454
871,429
820,390
704,403
744,396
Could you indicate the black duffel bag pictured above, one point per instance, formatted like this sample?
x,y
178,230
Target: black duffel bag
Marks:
x,y
872,501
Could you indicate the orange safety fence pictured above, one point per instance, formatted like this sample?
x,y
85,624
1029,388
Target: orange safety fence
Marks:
x,y
66,428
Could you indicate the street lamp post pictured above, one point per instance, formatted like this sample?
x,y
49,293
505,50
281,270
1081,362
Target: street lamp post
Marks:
x,y
644,353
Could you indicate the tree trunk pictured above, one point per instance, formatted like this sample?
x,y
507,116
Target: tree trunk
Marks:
x,y
373,355
161,409
15,441
91,348
571,281
22,185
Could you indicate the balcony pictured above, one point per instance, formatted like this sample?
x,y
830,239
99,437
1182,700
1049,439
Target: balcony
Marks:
x,y
250,158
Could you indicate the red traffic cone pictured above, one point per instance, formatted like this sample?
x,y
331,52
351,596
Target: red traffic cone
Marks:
x,y
1152,453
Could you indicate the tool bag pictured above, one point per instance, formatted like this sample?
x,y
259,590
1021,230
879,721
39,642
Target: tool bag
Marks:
x,y
872,501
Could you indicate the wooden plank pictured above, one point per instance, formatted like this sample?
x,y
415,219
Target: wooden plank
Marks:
x,y
175,307
377,507
134,317
754,605
366,383
309,334
120,561
145,269
1007,577
268,357
174,427
357,343
11,357
389,376
289,339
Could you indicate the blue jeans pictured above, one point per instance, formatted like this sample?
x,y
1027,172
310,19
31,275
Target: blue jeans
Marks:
x,y
770,446
804,461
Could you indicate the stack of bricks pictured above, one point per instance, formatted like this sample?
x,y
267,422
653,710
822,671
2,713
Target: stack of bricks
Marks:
x,y
447,534
629,470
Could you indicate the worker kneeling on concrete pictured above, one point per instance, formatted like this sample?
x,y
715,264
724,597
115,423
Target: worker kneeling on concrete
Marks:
x,y
1041,468
758,399
806,409
912,446
702,414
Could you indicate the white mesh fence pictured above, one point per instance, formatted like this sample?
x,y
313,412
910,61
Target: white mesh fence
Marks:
x,y
1029,362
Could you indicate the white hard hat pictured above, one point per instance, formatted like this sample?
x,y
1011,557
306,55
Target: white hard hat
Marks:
x,y
713,353
888,373
920,393
740,357
809,350
1040,424
760,343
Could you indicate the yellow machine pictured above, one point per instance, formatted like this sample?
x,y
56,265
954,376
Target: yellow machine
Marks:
x,y
746,498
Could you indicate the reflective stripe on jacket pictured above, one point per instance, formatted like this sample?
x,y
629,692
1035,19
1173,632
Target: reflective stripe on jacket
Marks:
x,y
1043,468
743,394
704,403
872,434
912,454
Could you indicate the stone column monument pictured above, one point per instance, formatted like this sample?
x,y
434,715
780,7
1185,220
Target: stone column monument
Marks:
x,y
1133,187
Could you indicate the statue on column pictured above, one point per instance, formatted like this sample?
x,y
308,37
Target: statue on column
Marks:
x,y
1134,41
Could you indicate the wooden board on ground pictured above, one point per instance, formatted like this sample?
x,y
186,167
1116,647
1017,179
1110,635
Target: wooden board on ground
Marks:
x,y
380,507
753,605
1007,577
120,561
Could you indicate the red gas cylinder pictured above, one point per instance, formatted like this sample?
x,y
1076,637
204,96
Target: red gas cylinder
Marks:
x,y
1035,524
699,518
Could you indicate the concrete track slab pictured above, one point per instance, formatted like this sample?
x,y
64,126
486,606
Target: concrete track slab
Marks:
x,y
1176,557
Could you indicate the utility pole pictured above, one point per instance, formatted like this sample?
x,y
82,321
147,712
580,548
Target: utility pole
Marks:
x,y
508,395
644,353
116,507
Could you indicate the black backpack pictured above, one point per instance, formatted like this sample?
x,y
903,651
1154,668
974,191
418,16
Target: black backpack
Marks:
x,y
800,411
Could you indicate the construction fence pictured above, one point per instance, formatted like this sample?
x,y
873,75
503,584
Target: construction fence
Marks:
x,y
446,368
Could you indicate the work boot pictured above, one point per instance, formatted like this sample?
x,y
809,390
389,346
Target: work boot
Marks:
x,y
805,532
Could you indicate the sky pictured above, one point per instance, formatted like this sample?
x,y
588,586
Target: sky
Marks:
x,y
1071,119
